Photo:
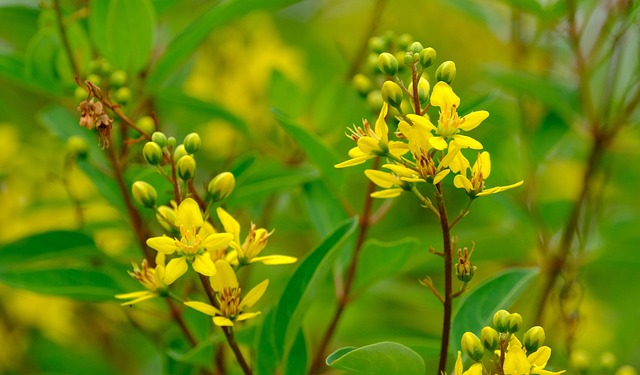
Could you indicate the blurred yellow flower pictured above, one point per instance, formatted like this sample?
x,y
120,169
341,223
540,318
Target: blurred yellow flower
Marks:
x,y
225,285
518,363
474,185
150,278
196,239
475,369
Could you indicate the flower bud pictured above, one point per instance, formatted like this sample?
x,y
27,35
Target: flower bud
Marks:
x,y
372,63
472,346
388,64
80,94
626,370
147,125
392,94
374,100
362,84
95,79
514,322
179,152
416,47
152,153
423,90
186,167
500,322
580,361
159,138
118,78
166,216
446,72
427,57
144,194
171,142
408,59
77,147
221,186
123,95
192,143
533,339
607,362
404,41
377,44
490,338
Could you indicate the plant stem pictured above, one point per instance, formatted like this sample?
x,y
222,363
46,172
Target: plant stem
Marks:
x,y
343,299
448,280
64,38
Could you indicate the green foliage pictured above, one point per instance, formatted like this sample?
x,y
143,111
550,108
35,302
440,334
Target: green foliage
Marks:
x,y
380,358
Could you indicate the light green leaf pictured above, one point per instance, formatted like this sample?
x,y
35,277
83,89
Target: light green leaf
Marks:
x,y
499,292
388,358
129,33
381,260
98,10
266,354
297,362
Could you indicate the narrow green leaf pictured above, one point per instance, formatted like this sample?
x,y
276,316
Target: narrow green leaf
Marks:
x,y
105,184
41,60
98,9
500,292
183,45
129,33
322,209
300,290
297,362
266,354
381,260
386,358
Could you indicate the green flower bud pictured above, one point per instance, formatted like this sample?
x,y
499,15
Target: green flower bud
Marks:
x,y
159,138
166,216
362,84
388,64
416,47
118,78
372,64
95,79
404,41
392,94
80,94
123,95
152,153
144,194
192,143
515,322
186,167
446,72
427,57
105,67
374,100
500,321
408,59
77,147
423,90
607,362
472,346
377,44
533,339
400,55
490,338
221,186
580,361
179,152
171,142
626,370
146,124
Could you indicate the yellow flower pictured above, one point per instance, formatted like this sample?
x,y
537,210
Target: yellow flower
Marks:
x,y
392,183
195,241
480,171
518,363
150,278
253,244
475,369
225,285
372,143
449,123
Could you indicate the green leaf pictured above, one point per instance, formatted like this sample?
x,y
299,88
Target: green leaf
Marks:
x,y
98,23
322,210
297,362
105,184
381,260
183,45
300,290
129,33
321,155
500,292
266,354
41,58
386,358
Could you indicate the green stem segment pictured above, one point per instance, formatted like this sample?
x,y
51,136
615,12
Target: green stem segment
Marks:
x,y
448,280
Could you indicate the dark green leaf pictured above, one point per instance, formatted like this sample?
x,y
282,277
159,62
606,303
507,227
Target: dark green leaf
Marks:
x,y
381,260
98,10
321,206
266,353
386,358
129,33
297,362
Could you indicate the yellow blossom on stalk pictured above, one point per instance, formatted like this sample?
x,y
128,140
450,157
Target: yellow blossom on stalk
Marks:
x,y
475,369
225,285
253,244
474,185
393,183
195,241
372,143
150,278
449,123
518,363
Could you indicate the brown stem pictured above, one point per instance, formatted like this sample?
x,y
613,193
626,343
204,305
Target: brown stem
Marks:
x,y
416,99
362,51
448,281
343,299
194,194
65,39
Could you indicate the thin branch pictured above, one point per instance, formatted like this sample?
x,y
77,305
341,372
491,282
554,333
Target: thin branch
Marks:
x,y
65,39
448,280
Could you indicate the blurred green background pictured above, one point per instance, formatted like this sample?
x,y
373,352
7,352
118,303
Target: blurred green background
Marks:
x,y
247,77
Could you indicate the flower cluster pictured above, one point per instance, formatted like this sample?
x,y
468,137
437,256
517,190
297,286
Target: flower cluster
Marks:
x,y
499,351
92,116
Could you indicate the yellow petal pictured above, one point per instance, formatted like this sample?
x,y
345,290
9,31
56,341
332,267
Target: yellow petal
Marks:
x,y
133,294
245,316
382,130
387,193
230,224
162,244
473,119
203,264
421,121
459,164
189,214
499,189
541,371
457,370
222,321
254,294
204,308
176,268
383,179
143,297
368,145
452,152
225,277
400,170
540,357
438,143
442,174
397,148
354,161
464,141
485,160
462,182
443,96
274,259
217,240
475,369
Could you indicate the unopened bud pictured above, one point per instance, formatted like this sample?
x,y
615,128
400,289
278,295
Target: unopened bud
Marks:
x,y
221,186
500,321
472,346
118,78
77,147
362,84
171,142
192,143
404,41
95,79
166,217
515,322
626,370
147,126
159,138
607,362
423,90
392,94
388,64
123,95
580,361
416,47
186,167
490,338
446,72
427,57
377,44
408,58
80,94
374,100
144,194
533,339
179,152
152,153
